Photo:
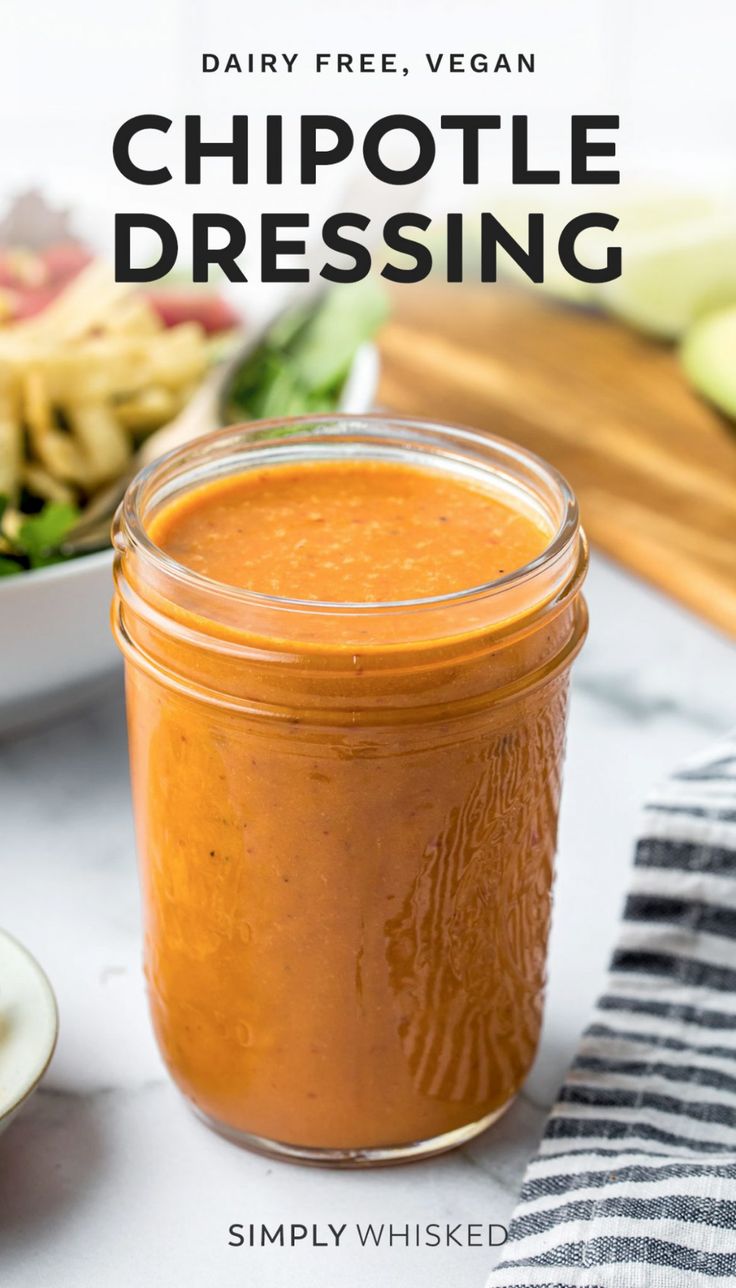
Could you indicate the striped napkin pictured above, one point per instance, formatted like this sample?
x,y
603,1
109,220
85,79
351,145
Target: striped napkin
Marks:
x,y
634,1184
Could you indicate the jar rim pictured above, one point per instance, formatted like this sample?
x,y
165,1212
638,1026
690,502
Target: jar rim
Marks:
x,y
130,528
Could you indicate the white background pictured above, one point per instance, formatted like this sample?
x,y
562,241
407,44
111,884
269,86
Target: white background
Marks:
x,y
71,73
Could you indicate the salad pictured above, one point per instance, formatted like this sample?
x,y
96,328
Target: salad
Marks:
x,y
88,368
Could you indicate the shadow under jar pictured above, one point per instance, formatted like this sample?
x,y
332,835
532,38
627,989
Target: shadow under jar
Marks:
x,y
346,811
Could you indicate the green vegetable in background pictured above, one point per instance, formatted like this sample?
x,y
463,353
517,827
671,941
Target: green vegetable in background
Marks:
x,y
674,276
708,357
37,540
303,362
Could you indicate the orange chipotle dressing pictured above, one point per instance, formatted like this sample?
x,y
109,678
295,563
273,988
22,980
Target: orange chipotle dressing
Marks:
x,y
355,531
346,920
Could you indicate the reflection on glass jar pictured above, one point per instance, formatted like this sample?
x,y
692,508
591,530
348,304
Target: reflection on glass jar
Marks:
x,y
346,811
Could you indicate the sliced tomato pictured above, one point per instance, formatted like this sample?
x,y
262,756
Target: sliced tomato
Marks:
x,y
27,303
20,269
30,280
65,260
211,311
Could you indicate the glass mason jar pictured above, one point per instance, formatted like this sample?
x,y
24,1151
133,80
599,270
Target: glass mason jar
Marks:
x,y
346,814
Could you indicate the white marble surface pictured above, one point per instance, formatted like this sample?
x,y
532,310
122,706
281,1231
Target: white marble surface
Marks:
x,y
106,1179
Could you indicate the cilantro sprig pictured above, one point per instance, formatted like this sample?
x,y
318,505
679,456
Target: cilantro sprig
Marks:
x,y
37,540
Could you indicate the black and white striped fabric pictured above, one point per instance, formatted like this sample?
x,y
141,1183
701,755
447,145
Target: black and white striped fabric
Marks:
x,y
634,1184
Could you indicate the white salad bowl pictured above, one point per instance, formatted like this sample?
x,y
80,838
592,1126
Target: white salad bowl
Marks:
x,y
56,648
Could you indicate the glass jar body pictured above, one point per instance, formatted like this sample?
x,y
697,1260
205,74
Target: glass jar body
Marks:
x,y
346,862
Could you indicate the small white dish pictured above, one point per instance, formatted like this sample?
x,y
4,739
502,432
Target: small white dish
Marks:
x,y
29,1025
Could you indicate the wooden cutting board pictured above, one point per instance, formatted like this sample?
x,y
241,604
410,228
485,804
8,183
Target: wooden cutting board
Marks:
x,y
653,466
